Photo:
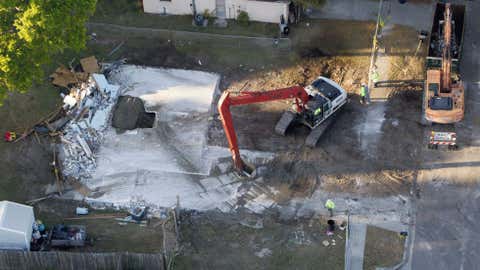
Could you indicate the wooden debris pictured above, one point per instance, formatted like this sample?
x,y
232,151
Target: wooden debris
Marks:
x,y
90,64
59,182
63,77
36,137
78,186
39,199
97,216
84,145
48,118
116,48
82,76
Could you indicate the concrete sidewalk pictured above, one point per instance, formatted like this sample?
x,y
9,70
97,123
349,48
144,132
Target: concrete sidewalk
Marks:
x,y
356,249
416,15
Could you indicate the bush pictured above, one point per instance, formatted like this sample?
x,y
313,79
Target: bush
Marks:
x,y
207,14
243,18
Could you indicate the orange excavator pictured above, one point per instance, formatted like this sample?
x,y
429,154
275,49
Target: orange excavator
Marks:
x,y
444,93
314,107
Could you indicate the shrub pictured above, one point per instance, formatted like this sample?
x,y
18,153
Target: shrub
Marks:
x,y
243,18
207,14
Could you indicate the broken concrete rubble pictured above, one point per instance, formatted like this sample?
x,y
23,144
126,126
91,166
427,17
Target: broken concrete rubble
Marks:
x,y
82,136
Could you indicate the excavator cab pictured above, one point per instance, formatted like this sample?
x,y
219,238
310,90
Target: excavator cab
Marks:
x,y
316,110
323,94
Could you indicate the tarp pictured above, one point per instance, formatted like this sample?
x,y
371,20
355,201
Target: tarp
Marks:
x,y
16,222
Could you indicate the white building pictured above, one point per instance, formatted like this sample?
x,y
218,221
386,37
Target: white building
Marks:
x,y
177,7
262,11
16,222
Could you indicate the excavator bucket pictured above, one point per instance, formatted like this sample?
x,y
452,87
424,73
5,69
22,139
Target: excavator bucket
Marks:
x,y
247,170
287,119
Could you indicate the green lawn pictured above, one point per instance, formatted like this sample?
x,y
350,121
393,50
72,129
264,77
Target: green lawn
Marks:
x,y
129,13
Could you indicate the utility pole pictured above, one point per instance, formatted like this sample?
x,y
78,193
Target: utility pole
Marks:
x,y
374,45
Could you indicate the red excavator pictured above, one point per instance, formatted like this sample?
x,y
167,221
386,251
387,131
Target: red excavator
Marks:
x,y
314,107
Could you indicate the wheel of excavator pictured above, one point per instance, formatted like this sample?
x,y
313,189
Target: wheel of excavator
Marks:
x,y
285,121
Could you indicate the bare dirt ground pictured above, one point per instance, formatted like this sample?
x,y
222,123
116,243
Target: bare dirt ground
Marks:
x,y
340,152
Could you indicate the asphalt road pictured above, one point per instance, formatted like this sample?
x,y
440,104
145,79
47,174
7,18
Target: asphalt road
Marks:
x,y
447,234
414,14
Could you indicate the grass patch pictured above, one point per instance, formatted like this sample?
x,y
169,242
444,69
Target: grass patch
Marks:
x,y
213,243
383,248
21,161
187,50
129,13
106,234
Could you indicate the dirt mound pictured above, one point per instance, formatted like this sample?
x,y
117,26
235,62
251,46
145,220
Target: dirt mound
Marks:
x,y
129,113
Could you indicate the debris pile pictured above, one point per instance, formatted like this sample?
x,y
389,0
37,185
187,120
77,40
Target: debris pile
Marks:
x,y
88,106
65,77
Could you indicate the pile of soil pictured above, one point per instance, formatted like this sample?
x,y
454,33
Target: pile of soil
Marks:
x,y
129,113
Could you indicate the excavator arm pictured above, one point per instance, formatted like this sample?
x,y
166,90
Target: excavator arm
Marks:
x,y
447,49
227,100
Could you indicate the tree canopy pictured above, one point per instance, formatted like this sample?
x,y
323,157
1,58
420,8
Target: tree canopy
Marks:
x,y
32,32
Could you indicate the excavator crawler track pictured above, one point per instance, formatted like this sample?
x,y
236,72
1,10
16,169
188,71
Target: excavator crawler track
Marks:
x,y
317,132
282,125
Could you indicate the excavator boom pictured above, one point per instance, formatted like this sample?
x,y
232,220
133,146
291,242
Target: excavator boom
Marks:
x,y
227,100
447,49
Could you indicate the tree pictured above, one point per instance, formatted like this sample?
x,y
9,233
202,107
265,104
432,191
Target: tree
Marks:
x,y
32,32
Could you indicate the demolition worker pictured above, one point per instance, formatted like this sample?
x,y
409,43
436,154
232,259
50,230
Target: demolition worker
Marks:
x,y
318,112
330,205
364,95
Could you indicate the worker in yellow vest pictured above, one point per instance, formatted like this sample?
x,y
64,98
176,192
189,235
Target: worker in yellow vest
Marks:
x,y
364,94
330,205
